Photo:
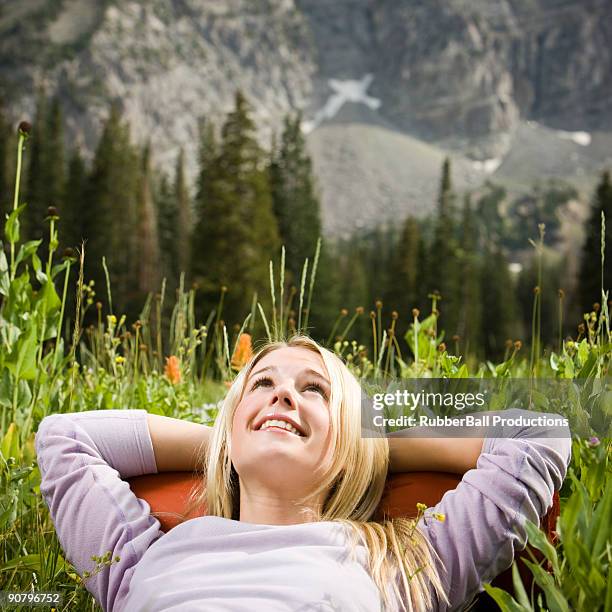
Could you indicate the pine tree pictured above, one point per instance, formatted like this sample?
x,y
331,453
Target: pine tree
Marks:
x,y
591,273
442,264
147,244
470,298
166,228
71,223
207,156
296,204
110,216
237,233
46,174
35,192
499,309
183,216
402,292
6,155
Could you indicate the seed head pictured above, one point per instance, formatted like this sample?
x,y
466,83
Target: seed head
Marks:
x,y
372,314
24,129
395,315
596,306
343,312
442,347
456,338
52,212
517,345
99,305
581,328
536,290
359,310
415,313
509,343
378,304
223,288
561,294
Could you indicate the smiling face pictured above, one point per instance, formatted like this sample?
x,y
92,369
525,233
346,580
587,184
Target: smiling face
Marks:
x,y
281,428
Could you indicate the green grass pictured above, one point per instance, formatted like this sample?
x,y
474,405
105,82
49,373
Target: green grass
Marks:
x,y
118,364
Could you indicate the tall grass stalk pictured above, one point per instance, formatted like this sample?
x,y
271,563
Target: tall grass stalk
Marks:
x,y
108,286
313,275
301,302
20,147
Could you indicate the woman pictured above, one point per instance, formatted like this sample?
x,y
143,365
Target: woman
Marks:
x,y
291,491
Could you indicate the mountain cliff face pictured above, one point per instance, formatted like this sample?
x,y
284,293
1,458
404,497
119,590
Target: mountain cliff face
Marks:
x,y
388,86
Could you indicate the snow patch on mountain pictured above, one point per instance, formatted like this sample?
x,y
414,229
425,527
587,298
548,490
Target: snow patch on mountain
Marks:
x,y
344,91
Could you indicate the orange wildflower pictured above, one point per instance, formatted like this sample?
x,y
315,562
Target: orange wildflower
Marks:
x,y
243,352
173,369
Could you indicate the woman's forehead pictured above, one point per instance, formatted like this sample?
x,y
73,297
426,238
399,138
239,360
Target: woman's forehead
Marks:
x,y
292,359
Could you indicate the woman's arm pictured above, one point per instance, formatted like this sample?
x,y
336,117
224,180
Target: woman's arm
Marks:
x,y
515,478
84,459
454,455
177,444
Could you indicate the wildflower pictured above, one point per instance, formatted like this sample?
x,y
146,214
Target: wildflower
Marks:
x,y
439,516
172,369
421,507
25,127
112,320
243,351
119,359
594,441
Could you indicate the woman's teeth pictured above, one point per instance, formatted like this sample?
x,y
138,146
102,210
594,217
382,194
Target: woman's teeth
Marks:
x,y
283,424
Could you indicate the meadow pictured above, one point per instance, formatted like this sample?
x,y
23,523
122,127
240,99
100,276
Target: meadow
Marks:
x,y
179,367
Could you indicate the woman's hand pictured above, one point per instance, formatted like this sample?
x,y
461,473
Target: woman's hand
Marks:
x,y
419,454
178,445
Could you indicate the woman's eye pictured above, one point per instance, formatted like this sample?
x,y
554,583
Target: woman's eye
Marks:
x,y
317,387
265,381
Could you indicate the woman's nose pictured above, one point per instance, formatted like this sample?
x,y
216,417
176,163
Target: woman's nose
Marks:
x,y
284,396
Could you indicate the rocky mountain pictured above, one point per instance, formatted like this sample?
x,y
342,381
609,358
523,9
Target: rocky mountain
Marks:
x,y
514,90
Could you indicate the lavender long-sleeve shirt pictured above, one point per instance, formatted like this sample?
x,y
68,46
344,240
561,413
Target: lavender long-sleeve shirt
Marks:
x,y
215,564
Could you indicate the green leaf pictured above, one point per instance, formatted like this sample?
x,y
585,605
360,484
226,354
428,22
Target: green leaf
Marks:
x,y
519,588
554,598
11,230
10,443
4,272
28,562
538,539
504,600
26,250
22,361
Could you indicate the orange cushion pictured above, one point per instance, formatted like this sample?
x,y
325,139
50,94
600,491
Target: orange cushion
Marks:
x,y
168,492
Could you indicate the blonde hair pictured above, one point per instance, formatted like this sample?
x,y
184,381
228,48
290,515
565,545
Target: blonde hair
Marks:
x,y
398,553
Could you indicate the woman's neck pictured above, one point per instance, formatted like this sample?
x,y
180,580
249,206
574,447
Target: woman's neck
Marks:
x,y
272,507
